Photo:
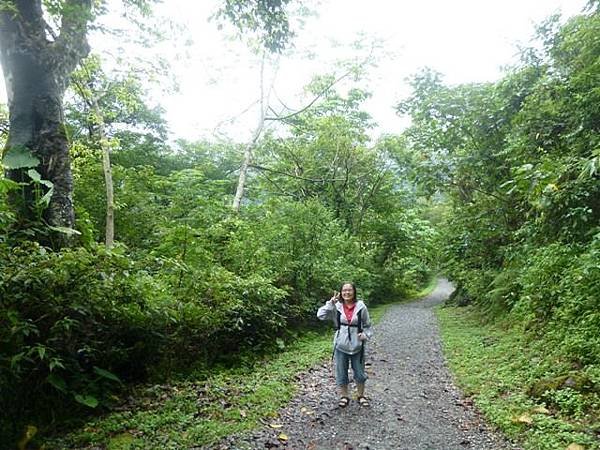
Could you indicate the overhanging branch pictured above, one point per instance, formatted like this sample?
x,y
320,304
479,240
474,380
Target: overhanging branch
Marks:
x,y
71,44
291,175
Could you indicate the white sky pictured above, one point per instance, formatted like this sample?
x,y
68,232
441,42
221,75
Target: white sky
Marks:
x,y
218,77
466,40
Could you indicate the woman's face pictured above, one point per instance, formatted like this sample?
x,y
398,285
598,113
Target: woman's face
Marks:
x,y
348,292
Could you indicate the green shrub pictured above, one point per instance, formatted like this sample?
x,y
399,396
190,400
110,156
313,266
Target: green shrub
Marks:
x,y
73,324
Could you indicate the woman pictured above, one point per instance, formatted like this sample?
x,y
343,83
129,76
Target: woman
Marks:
x,y
351,319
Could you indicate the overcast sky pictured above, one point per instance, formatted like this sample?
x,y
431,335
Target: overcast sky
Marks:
x,y
466,40
218,77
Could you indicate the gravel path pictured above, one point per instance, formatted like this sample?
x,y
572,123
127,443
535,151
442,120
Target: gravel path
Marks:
x,y
414,404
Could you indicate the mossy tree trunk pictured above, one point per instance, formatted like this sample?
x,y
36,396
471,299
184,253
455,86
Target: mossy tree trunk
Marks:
x,y
37,64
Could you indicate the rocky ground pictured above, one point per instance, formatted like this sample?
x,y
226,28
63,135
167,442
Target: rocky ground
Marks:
x,y
414,403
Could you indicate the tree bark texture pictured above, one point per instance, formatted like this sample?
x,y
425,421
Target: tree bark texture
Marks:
x,y
239,193
108,179
36,73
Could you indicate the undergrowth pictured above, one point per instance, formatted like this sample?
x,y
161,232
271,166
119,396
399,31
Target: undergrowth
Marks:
x,y
207,405
203,408
519,382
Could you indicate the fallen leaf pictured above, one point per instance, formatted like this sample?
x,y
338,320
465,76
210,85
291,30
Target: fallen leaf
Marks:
x,y
540,410
306,411
575,446
525,418
275,425
283,437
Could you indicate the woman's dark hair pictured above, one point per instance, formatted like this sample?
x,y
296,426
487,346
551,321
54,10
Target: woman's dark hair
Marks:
x,y
353,288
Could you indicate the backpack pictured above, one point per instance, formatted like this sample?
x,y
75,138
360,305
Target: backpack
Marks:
x,y
358,325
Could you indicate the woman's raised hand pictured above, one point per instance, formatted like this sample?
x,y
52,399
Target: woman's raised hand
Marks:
x,y
335,298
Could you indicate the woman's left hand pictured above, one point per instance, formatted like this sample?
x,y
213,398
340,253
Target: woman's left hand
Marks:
x,y
362,336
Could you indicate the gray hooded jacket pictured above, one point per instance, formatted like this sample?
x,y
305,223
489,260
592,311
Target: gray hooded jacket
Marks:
x,y
346,338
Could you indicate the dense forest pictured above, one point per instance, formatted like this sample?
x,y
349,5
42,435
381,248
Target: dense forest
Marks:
x,y
125,257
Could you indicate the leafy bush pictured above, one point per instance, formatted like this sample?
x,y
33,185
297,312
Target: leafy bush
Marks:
x,y
73,324
300,245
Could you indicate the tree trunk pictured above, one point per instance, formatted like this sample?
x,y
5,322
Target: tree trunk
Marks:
x,y
36,123
97,130
36,73
239,192
108,179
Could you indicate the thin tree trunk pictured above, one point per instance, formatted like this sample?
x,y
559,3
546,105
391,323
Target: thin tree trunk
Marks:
x,y
239,193
110,203
97,129
109,237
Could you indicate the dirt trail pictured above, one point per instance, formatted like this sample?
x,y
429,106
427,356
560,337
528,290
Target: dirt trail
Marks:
x,y
414,403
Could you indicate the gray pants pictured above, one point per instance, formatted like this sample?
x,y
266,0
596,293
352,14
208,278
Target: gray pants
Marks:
x,y
341,368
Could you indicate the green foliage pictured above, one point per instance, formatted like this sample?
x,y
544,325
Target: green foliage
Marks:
x,y
559,288
71,320
299,245
125,116
7,216
517,163
268,19
497,366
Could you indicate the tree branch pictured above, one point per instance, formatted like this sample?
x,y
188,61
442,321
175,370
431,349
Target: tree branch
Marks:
x,y
314,100
282,191
455,184
320,94
72,42
290,175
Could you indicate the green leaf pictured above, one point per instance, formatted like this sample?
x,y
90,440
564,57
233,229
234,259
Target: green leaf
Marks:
x,y
87,400
34,175
18,158
41,352
54,363
106,374
6,185
57,382
16,359
66,230
45,200
280,343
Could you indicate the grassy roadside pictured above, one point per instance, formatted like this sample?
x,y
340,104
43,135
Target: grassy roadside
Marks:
x,y
428,289
497,366
201,411
191,413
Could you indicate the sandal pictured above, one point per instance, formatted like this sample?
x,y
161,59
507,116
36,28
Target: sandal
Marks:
x,y
343,402
364,402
